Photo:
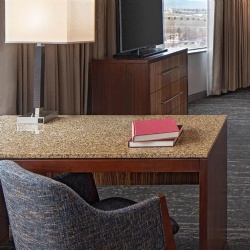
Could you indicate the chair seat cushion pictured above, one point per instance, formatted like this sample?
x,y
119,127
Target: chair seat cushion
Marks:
x,y
114,203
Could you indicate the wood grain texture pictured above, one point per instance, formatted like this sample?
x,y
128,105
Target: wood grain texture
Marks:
x,y
213,195
109,165
4,221
167,227
146,178
168,71
169,99
129,86
114,87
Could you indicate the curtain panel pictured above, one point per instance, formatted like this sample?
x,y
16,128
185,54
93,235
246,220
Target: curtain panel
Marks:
x,y
66,68
231,52
8,70
65,71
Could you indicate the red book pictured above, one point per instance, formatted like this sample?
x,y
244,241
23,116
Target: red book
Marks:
x,y
158,129
159,143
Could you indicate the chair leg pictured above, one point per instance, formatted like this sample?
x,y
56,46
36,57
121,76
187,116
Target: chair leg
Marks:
x,y
4,220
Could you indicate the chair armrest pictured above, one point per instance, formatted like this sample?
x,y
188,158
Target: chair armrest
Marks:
x,y
139,226
82,183
167,227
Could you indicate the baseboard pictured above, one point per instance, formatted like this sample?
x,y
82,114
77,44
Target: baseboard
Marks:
x,y
197,96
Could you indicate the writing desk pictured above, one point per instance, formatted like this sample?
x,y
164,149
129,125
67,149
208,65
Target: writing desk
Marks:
x,y
99,144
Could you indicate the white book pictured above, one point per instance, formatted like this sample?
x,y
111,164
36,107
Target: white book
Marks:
x,y
155,143
160,143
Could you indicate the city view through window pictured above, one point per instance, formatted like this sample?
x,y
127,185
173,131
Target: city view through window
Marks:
x,y
185,23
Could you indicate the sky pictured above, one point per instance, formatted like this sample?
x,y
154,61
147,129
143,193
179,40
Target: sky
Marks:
x,y
185,4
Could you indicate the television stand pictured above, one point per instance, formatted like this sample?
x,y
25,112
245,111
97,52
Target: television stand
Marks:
x,y
153,85
140,53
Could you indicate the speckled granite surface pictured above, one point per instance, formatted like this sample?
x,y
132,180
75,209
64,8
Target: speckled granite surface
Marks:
x,y
104,137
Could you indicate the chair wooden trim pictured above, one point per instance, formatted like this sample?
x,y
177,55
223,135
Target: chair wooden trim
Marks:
x,y
167,228
4,220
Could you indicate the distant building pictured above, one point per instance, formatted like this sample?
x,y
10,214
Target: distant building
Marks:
x,y
172,38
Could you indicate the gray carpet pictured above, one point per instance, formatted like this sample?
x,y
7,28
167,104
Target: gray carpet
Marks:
x,y
183,200
237,106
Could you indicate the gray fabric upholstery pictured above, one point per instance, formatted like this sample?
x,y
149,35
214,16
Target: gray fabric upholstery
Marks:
x,y
82,183
47,214
112,203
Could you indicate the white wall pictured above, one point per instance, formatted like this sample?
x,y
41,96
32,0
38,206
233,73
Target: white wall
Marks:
x,y
197,76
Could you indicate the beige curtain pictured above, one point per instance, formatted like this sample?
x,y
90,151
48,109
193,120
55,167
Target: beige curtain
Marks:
x,y
105,44
67,68
8,69
231,54
65,72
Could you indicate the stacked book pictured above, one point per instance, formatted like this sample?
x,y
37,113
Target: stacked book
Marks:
x,y
154,133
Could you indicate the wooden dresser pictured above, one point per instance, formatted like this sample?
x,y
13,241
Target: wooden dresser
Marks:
x,y
153,85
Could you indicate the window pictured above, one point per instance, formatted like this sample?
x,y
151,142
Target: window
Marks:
x,y
185,23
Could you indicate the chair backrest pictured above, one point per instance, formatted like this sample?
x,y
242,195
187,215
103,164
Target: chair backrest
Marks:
x,y
82,183
47,214
43,213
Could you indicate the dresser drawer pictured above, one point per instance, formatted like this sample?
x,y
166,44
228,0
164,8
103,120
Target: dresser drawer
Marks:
x,y
168,98
167,71
180,110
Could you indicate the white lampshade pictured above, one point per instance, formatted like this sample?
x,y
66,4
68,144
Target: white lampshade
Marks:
x,y
49,21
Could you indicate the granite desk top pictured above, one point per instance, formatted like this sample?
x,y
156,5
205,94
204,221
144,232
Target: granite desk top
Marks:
x,y
105,137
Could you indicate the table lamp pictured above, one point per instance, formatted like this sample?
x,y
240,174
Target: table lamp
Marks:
x,y
47,22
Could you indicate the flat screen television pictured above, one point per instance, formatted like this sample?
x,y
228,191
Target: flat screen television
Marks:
x,y
139,26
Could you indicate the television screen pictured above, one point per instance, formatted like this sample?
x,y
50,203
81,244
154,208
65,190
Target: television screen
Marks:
x,y
139,24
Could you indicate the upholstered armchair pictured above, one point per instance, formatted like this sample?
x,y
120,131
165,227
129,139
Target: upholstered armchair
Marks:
x,y
66,213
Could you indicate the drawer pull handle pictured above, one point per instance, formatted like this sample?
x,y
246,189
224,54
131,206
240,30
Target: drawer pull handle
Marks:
x,y
171,70
169,100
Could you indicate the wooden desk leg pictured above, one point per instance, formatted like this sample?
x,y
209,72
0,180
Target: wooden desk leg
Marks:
x,y
213,196
4,221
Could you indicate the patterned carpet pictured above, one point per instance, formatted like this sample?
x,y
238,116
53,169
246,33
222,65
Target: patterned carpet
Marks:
x,y
183,200
237,106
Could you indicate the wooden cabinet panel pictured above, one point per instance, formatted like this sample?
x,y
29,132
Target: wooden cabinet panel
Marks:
x,y
167,71
169,98
152,85
116,85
